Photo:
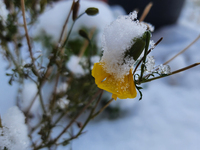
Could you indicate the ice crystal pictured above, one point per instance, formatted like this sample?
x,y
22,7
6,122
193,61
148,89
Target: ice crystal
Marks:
x,y
150,64
164,69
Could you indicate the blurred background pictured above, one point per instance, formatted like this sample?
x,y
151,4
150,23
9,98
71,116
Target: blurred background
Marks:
x,y
168,115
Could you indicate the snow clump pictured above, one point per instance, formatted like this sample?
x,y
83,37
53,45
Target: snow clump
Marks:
x,y
14,132
117,38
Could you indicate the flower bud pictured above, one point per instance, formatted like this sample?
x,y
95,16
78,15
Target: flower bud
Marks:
x,y
92,11
83,34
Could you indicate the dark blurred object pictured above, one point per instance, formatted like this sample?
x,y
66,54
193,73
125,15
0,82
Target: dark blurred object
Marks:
x,y
163,12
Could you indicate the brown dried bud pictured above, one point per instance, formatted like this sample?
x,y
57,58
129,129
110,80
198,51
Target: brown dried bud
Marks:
x,y
75,10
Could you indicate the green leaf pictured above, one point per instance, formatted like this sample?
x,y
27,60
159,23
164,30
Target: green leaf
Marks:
x,y
139,44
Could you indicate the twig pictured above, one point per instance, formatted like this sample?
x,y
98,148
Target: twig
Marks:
x,y
86,43
87,120
27,38
26,30
182,50
174,72
31,104
41,100
146,11
97,113
73,120
54,91
70,30
66,21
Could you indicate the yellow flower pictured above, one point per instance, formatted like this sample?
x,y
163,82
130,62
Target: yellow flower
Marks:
x,y
121,88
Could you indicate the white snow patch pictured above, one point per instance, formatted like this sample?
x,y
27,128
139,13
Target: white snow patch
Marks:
x,y
14,134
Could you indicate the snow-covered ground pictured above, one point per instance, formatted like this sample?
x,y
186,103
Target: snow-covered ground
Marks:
x,y
168,117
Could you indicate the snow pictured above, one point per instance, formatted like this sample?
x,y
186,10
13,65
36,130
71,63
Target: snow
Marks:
x,y
74,66
14,134
150,63
54,18
117,38
168,115
3,12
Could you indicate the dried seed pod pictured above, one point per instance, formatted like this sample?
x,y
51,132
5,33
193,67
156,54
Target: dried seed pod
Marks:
x,y
75,10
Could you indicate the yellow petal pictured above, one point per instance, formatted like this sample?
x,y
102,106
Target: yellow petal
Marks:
x,y
114,96
98,73
122,88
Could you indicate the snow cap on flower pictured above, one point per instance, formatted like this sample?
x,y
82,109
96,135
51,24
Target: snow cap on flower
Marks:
x,y
117,38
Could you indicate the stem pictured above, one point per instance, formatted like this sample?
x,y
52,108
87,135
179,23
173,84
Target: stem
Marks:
x,y
87,120
13,59
66,21
28,39
182,50
54,91
73,120
65,42
31,104
26,30
174,72
146,11
148,36
97,113
147,54
41,101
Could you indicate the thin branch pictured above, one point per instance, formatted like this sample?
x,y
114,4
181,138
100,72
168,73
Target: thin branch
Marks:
x,y
174,72
86,43
26,30
97,113
146,11
182,50
73,120
70,30
41,100
66,21
87,120
54,91
31,104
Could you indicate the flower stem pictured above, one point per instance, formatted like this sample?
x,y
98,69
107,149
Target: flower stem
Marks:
x,y
97,113
182,50
174,72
